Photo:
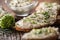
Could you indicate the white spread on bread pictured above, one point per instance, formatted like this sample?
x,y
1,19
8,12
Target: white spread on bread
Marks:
x,y
41,33
45,14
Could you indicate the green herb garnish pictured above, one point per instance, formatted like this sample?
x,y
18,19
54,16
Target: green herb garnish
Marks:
x,y
46,15
33,22
37,31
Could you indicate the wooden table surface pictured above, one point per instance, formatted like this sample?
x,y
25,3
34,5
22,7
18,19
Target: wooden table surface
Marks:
x,y
14,35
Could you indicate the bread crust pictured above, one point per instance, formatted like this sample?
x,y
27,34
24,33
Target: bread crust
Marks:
x,y
18,28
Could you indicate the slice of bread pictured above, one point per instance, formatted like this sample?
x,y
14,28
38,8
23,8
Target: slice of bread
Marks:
x,y
48,33
45,14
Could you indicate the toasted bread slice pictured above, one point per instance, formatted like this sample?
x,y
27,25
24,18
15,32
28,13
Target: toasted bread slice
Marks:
x,y
48,33
45,14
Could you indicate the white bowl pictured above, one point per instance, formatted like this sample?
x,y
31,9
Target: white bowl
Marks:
x,y
23,11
